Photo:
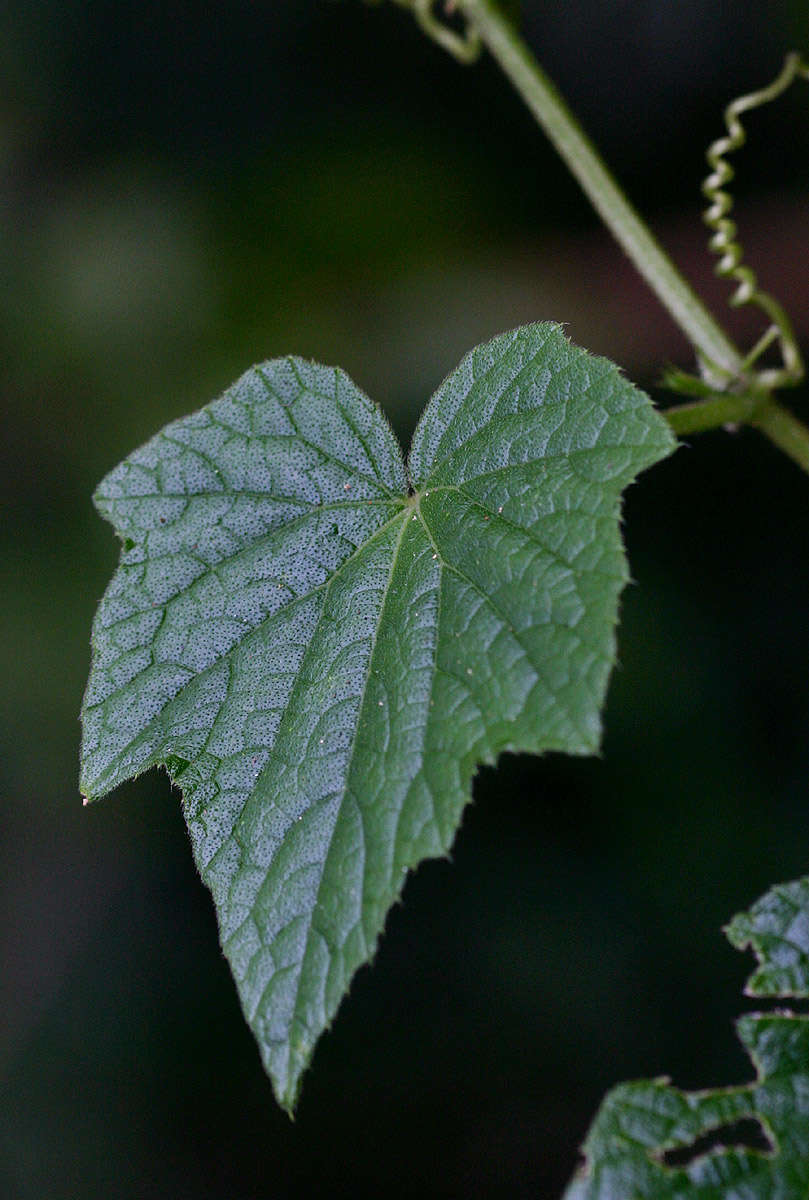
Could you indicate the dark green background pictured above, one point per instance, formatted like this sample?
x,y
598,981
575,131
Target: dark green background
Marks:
x,y
186,189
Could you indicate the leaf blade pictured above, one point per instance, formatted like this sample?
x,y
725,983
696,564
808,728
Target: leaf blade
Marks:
x,y
640,1123
322,658
202,505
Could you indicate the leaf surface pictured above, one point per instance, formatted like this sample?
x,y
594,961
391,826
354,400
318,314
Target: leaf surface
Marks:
x,y
640,1126
322,645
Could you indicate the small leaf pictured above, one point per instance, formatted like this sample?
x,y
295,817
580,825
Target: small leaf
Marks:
x,y
642,1128
321,646
777,929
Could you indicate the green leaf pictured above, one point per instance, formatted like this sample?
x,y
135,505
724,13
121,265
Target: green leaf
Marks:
x,y
647,1140
321,646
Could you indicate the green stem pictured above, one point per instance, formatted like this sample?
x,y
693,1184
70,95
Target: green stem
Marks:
x,y
785,431
750,408
701,415
499,36
721,362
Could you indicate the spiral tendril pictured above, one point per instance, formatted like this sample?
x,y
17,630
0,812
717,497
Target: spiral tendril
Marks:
x,y
724,240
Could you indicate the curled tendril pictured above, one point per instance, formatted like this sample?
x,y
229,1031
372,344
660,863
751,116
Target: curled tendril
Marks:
x,y
464,46
725,244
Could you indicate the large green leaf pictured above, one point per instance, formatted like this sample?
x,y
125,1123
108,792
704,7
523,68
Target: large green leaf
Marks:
x,y
757,1135
321,645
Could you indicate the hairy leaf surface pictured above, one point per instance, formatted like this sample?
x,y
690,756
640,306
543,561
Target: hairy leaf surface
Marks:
x,y
321,644
642,1127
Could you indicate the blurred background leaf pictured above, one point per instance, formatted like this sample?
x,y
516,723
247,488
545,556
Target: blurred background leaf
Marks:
x,y
185,191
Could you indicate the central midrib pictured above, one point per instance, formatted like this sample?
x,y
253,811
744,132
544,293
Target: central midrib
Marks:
x,y
349,761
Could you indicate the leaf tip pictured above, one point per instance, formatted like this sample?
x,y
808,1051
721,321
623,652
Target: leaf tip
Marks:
x,y
287,1092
